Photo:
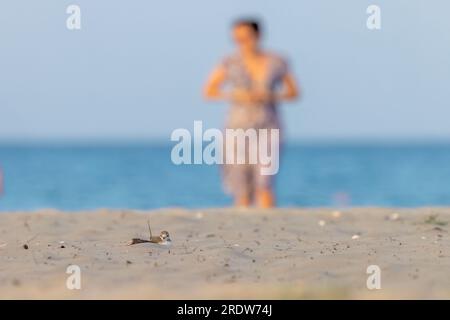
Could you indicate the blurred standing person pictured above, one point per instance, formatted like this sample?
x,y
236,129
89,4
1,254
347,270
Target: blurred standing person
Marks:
x,y
258,81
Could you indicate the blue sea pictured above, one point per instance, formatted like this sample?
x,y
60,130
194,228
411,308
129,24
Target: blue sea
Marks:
x,y
143,177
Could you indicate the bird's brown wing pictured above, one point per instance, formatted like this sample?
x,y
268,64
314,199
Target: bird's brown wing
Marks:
x,y
136,241
155,239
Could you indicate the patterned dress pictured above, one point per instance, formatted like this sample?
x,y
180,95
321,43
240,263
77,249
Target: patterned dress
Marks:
x,y
244,179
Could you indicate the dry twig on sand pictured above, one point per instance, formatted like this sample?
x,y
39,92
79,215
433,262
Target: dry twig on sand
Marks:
x,y
137,240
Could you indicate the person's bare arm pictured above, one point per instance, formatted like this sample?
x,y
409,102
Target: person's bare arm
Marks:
x,y
213,89
289,91
214,84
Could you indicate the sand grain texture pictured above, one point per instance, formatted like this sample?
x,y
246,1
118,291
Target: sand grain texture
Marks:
x,y
227,253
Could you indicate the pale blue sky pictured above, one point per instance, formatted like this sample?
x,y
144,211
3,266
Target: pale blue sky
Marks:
x,y
136,69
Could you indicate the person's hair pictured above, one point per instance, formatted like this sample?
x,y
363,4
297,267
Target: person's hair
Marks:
x,y
254,24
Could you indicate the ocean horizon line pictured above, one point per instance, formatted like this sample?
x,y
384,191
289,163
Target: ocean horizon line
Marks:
x,y
96,209
159,142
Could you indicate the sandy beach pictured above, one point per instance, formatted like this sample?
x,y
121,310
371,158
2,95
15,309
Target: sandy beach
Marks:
x,y
227,253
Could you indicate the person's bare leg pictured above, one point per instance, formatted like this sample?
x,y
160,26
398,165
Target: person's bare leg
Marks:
x,y
242,201
265,198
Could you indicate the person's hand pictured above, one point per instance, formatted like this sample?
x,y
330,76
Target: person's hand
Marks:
x,y
262,96
251,96
243,96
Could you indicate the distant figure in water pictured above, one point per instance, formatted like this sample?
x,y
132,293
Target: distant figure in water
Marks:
x,y
256,81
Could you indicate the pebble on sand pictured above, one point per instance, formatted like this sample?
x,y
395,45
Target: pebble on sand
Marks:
x,y
199,215
336,214
394,216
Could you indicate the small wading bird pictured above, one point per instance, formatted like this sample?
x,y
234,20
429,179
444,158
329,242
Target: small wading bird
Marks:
x,y
163,238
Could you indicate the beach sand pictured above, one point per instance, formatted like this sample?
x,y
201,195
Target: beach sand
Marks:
x,y
227,253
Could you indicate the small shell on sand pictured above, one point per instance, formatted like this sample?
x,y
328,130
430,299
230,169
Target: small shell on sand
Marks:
x,y
322,223
394,216
199,215
355,236
336,214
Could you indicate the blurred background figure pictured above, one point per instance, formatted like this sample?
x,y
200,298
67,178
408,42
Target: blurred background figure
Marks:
x,y
86,124
257,81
